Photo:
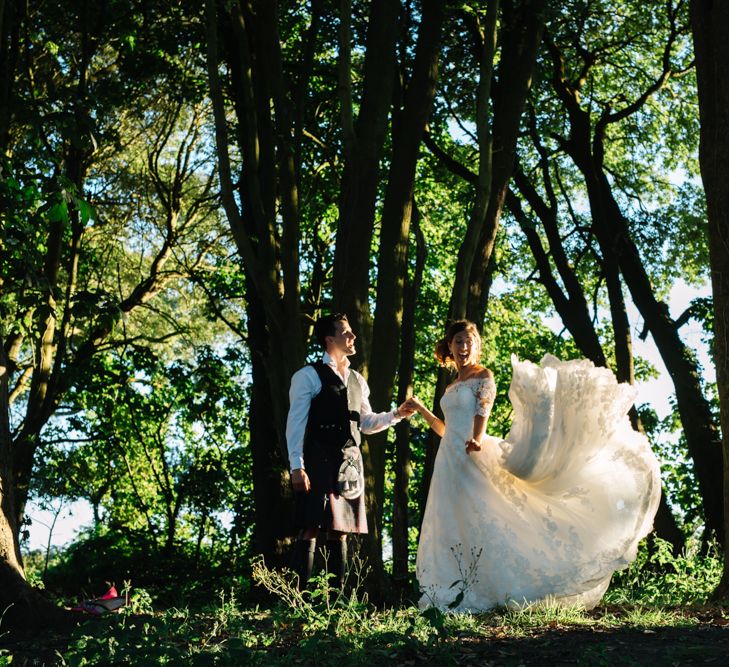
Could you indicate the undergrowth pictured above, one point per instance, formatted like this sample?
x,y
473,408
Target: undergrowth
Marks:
x,y
323,624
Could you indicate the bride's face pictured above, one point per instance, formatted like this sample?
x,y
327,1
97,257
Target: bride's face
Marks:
x,y
462,348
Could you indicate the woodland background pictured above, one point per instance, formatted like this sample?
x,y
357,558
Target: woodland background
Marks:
x,y
186,186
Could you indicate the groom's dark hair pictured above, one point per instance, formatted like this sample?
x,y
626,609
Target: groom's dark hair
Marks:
x,y
326,325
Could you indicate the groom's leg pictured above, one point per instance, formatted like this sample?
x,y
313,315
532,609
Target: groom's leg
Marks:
x,y
337,545
302,561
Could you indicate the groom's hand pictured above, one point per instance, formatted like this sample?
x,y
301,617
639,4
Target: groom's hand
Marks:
x,y
406,409
300,481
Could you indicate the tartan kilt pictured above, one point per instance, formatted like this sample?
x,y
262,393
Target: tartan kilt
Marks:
x,y
330,503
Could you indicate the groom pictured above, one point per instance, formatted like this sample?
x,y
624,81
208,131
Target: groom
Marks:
x,y
329,408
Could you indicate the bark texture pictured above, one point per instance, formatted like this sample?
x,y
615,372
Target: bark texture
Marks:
x,y
710,24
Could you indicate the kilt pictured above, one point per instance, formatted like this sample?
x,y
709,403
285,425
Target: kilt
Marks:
x,y
336,500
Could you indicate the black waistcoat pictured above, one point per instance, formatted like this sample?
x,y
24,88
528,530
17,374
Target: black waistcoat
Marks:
x,y
333,423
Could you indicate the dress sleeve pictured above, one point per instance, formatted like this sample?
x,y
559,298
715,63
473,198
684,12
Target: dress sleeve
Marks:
x,y
485,391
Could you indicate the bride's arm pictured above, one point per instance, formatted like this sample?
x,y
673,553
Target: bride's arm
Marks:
x,y
485,395
431,419
479,430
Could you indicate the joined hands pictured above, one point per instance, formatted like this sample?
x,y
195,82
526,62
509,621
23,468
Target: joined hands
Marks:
x,y
406,409
414,405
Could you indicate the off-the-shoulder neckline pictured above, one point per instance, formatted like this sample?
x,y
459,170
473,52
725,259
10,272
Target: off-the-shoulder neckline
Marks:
x,y
456,383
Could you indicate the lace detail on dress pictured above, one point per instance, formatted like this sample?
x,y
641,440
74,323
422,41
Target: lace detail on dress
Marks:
x,y
484,389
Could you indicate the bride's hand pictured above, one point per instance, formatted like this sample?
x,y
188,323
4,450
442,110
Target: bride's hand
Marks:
x,y
415,404
472,445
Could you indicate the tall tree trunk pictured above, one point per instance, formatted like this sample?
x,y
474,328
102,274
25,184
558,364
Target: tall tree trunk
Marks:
x,y
408,128
11,15
363,150
485,35
522,28
267,187
523,25
400,522
486,38
9,548
273,502
710,24
21,605
571,307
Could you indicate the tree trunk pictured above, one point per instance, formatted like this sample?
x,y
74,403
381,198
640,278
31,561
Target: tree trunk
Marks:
x,y
400,510
523,25
363,152
271,488
710,24
522,30
10,19
486,36
571,307
21,606
408,128
251,47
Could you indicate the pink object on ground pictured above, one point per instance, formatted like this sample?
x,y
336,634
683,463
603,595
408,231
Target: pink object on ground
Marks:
x,y
109,602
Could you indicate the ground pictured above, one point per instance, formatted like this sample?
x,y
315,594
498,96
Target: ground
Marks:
x,y
607,636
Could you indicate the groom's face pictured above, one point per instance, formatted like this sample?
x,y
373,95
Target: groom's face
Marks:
x,y
343,340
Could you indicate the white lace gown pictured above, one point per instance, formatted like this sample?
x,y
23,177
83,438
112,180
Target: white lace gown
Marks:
x,y
547,515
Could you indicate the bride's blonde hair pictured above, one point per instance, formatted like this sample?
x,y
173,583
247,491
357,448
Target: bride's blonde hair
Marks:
x,y
443,354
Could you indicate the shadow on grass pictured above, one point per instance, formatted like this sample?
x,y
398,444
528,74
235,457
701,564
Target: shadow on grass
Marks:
x,y
171,642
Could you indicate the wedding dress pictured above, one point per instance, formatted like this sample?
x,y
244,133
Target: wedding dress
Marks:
x,y
547,515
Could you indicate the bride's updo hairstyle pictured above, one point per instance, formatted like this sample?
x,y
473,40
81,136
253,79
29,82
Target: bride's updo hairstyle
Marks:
x,y
443,354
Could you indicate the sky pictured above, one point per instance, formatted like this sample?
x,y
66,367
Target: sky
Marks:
x,y
658,391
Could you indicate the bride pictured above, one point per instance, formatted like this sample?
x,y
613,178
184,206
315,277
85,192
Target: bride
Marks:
x,y
547,515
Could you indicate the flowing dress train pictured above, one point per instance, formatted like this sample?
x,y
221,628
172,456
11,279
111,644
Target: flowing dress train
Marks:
x,y
551,512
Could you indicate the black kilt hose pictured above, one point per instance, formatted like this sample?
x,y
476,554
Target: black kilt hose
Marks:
x,y
332,457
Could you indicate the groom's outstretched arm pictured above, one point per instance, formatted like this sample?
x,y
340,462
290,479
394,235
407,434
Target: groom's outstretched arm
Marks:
x,y
374,422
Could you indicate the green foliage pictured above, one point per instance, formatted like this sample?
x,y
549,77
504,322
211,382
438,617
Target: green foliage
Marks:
x,y
302,629
98,559
680,484
159,451
657,577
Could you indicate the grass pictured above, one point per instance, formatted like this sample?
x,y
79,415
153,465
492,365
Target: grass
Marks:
x,y
655,613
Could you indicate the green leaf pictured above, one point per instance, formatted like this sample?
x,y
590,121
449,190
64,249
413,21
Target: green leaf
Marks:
x,y
457,601
58,212
86,211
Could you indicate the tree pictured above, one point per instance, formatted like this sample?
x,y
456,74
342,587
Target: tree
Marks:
x,y
69,279
709,21
497,131
271,103
589,127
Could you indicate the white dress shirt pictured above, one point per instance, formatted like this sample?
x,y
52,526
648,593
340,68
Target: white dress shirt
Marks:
x,y
305,384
